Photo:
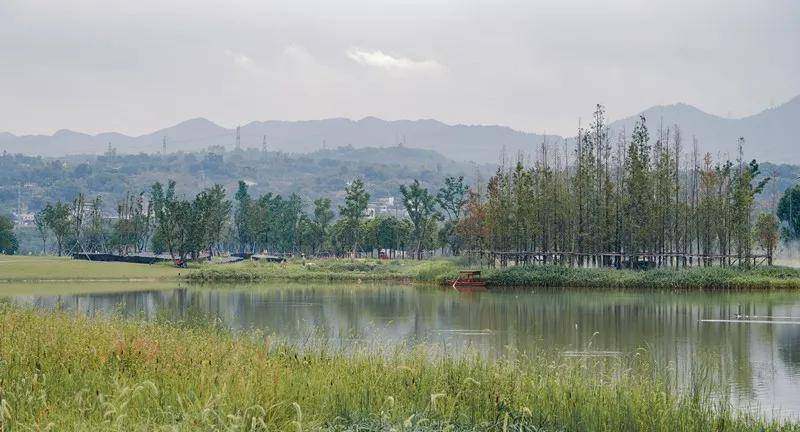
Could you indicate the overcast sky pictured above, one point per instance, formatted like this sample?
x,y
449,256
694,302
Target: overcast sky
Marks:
x,y
136,66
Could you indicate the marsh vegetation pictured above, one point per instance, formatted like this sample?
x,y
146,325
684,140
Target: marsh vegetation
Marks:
x,y
64,371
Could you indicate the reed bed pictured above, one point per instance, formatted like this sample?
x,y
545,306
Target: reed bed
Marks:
x,y
700,278
60,371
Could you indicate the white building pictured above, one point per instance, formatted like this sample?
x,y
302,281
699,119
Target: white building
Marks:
x,y
385,207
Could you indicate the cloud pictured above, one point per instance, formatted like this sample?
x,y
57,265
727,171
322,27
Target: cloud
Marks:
x,y
298,54
241,60
381,60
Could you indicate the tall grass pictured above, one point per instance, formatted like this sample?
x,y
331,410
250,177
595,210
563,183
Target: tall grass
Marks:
x,y
329,269
705,278
443,270
66,372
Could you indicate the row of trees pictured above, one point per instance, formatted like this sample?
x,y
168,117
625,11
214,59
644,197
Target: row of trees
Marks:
x,y
208,224
8,241
608,198
788,212
159,219
273,223
630,198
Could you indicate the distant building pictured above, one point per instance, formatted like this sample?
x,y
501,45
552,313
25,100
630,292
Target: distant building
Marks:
x,y
384,207
388,201
24,218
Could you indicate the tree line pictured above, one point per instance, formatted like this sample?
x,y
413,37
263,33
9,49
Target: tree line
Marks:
x,y
607,200
622,199
210,223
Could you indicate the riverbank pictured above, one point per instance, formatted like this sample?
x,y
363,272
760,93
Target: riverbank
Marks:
x,y
347,270
695,278
65,269
444,271
437,271
75,373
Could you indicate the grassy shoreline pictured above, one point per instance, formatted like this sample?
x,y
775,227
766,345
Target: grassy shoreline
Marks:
x,y
696,278
68,372
65,269
354,270
443,271
436,271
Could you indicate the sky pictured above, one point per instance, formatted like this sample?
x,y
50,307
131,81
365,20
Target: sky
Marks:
x,y
538,66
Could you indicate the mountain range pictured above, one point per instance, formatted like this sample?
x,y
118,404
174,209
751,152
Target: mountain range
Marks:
x,y
767,136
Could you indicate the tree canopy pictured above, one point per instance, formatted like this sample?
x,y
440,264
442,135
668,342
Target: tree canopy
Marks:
x,y
8,241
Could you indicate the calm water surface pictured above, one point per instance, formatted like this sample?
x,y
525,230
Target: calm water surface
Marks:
x,y
757,354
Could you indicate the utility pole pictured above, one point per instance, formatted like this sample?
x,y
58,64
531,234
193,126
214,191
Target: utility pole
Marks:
x,y
238,139
264,143
164,145
19,204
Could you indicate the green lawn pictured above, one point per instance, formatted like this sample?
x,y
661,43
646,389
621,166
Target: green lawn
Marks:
x,y
44,268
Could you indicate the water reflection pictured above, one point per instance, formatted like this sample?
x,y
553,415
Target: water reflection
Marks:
x,y
761,361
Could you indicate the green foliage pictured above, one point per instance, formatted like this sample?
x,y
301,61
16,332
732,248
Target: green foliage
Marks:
x,y
634,202
133,227
40,222
245,217
452,196
789,213
57,219
8,241
352,212
323,216
639,192
438,271
214,210
323,173
185,228
421,208
767,233
111,374
705,278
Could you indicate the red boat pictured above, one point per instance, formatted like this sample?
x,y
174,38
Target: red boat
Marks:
x,y
469,279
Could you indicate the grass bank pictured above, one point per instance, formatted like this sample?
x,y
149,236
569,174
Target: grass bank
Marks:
x,y
442,270
710,278
437,270
58,269
53,269
66,372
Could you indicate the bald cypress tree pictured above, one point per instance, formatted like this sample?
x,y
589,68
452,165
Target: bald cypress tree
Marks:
x,y
639,192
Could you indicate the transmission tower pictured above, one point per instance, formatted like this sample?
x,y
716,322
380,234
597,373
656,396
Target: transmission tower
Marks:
x,y
19,204
238,139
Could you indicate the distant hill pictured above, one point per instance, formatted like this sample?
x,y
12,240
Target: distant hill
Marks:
x,y
460,142
767,135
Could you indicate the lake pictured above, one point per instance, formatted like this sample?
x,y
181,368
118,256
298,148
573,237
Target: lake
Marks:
x,y
752,339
